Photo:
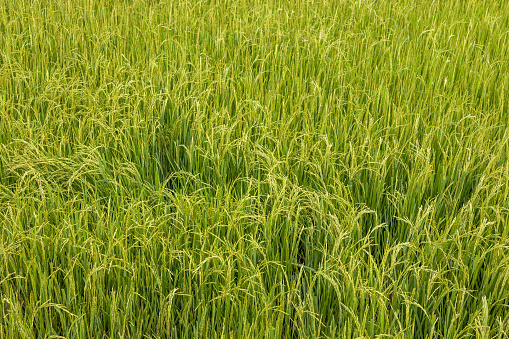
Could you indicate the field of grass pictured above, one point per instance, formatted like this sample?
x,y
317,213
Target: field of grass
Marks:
x,y
254,169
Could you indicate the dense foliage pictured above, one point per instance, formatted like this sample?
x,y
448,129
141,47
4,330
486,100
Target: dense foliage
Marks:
x,y
249,168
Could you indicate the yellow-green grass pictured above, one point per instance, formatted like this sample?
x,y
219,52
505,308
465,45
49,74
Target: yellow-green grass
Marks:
x,y
242,169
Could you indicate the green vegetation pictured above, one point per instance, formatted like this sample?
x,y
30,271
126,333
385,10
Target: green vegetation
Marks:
x,y
241,169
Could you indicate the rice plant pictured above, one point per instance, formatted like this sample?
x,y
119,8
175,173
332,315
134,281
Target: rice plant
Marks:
x,y
254,169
